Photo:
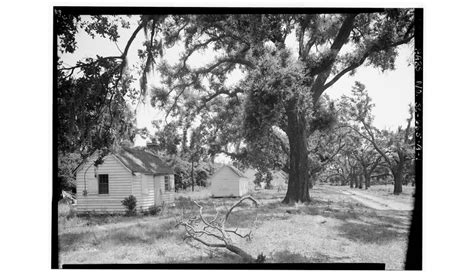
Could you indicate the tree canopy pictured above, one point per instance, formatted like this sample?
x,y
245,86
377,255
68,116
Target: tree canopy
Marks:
x,y
269,118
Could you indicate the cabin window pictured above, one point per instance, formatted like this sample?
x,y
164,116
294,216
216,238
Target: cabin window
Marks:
x,y
103,183
167,183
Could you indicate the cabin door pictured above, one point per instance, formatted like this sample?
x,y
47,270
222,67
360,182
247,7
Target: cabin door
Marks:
x,y
157,186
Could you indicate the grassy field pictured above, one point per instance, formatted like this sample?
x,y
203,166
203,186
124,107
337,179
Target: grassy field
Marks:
x,y
333,228
386,192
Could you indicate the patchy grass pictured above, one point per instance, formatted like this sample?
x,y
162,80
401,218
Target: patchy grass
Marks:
x,y
198,193
66,211
286,256
363,232
332,228
386,192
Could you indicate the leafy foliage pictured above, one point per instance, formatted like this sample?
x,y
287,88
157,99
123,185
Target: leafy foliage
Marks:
x,y
67,163
90,117
273,77
66,29
154,210
247,120
130,203
92,95
395,148
168,139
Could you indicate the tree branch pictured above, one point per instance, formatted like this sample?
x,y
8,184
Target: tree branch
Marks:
x,y
234,60
122,56
358,63
248,197
190,225
341,38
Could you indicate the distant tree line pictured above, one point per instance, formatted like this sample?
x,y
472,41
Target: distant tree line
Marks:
x,y
370,155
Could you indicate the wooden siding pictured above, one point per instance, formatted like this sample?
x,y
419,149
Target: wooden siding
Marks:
x,y
148,192
166,196
137,188
120,186
122,183
243,186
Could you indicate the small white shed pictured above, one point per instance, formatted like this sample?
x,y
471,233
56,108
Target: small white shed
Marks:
x,y
228,181
123,173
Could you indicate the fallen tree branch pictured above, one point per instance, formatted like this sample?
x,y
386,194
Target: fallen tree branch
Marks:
x,y
213,233
238,203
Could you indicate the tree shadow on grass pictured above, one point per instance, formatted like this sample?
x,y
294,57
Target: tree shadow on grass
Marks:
x,y
213,256
373,227
285,256
72,241
289,257
143,234
130,235
371,233
251,218
363,224
343,214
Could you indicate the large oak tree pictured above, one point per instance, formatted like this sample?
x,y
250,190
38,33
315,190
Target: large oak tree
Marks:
x,y
280,88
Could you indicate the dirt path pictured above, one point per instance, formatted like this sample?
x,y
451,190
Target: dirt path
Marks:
x,y
376,202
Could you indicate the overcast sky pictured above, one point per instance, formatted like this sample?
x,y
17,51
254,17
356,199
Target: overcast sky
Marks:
x,y
391,91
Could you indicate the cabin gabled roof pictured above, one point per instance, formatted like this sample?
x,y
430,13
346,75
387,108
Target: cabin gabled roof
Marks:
x,y
138,161
142,161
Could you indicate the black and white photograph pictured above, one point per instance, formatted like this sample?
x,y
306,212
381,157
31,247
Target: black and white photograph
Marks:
x,y
237,138
223,135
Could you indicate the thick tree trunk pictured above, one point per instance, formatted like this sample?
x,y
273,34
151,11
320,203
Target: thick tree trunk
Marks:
x,y
298,182
397,184
351,180
367,180
343,181
359,179
245,256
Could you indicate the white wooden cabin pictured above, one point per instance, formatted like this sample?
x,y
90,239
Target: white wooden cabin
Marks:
x,y
228,181
121,174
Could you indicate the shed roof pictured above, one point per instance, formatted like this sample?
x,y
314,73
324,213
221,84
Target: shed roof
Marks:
x,y
142,161
236,171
